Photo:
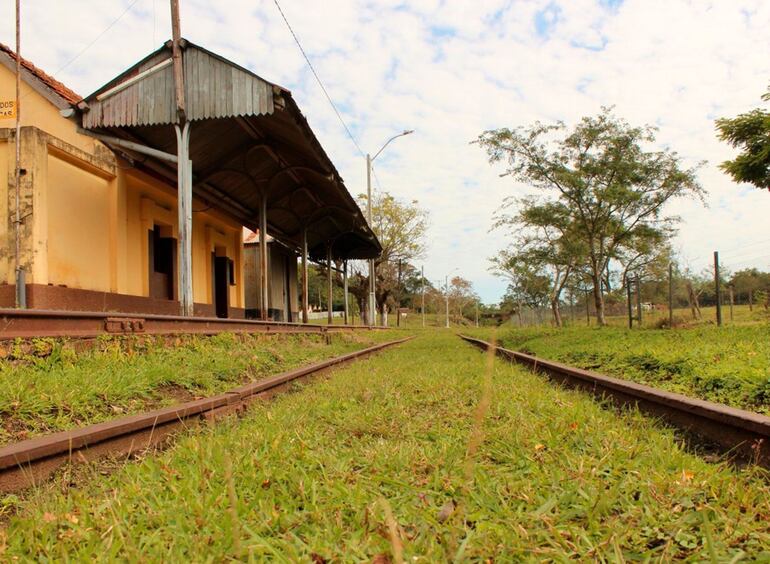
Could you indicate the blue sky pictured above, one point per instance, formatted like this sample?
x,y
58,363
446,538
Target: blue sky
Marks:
x,y
450,70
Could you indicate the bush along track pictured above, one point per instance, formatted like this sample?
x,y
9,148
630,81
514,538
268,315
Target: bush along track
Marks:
x,y
428,452
45,386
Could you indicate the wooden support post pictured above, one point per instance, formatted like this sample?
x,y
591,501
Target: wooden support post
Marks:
x,y
630,305
671,295
184,219
330,288
718,289
305,299
345,289
176,55
263,260
732,301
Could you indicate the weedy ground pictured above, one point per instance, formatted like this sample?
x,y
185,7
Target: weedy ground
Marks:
x,y
45,386
429,452
729,364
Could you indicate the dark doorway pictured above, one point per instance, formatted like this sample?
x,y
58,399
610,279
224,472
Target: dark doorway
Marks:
x,y
162,257
221,286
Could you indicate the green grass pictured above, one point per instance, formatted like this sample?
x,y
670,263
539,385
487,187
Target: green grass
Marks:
x,y
50,388
729,365
418,451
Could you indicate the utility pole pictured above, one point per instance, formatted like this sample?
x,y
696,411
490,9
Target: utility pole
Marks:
x,y
398,307
639,300
718,289
422,288
372,306
671,295
21,285
446,295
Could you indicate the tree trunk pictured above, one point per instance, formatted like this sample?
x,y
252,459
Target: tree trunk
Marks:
x,y
596,278
556,312
693,299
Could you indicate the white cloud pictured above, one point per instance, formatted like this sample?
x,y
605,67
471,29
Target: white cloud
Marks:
x,y
450,69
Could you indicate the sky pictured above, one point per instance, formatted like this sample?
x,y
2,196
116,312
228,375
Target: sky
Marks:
x,y
452,69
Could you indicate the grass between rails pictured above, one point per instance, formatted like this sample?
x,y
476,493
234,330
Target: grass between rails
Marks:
x,y
419,453
61,389
729,365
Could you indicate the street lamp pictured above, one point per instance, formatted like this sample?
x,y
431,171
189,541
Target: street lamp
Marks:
x,y
369,161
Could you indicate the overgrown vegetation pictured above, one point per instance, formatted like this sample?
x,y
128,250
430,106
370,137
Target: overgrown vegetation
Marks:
x,y
45,386
417,453
728,365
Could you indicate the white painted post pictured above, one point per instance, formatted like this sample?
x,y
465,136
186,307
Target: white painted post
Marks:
x,y
184,219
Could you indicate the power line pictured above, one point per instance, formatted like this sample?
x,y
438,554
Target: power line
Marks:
x,y
97,38
318,79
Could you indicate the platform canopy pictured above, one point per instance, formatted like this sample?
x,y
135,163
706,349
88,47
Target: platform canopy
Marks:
x,y
248,140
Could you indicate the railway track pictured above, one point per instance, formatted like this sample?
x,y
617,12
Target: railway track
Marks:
x,y
742,434
29,324
27,463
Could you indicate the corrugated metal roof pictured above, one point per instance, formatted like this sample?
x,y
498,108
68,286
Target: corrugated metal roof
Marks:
x,y
248,140
214,88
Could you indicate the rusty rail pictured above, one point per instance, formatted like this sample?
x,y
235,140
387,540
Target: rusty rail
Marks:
x,y
28,324
742,434
28,462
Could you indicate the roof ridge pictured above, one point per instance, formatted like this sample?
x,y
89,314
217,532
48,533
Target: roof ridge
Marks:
x,y
58,87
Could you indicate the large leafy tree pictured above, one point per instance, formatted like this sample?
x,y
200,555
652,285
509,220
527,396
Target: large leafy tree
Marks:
x,y
750,132
603,174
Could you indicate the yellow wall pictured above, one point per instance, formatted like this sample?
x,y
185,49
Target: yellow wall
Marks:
x,y
78,227
88,212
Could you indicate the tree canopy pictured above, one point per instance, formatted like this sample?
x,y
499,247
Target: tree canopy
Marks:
x,y
749,132
602,178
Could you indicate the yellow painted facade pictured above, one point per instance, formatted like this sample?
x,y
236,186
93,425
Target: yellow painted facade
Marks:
x,y
87,213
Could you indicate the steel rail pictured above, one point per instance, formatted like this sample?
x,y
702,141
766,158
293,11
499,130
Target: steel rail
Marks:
x,y
29,462
741,434
29,324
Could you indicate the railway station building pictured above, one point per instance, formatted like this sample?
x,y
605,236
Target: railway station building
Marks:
x,y
135,198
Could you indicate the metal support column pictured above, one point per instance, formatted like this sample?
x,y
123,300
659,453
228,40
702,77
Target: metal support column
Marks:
x,y
330,287
305,304
345,288
263,277
184,218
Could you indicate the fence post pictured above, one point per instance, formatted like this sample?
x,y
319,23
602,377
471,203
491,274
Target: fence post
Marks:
x,y
732,299
671,295
639,301
630,305
588,315
718,289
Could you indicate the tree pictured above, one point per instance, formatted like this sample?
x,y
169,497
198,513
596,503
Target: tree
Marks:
x,y
602,176
544,242
400,227
749,132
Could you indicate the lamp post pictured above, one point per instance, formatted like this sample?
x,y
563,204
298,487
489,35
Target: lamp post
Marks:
x,y
369,161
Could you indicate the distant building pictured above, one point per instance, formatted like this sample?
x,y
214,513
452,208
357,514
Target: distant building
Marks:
x,y
283,299
100,227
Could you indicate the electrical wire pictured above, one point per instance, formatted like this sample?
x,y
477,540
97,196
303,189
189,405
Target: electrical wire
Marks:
x,y
97,38
318,79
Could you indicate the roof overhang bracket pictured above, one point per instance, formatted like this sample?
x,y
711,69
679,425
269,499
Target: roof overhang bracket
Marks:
x,y
130,145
